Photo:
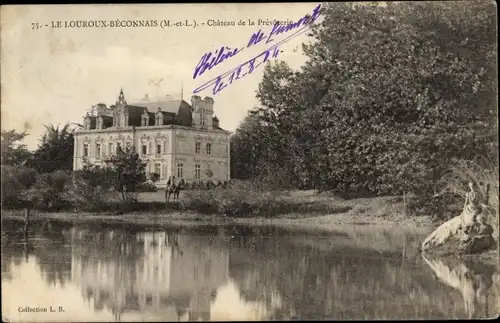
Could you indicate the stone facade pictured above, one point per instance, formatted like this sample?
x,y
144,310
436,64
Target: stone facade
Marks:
x,y
171,136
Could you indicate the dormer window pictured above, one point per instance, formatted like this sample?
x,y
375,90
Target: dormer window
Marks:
x,y
125,118
145,119
86,122
159,117
99,123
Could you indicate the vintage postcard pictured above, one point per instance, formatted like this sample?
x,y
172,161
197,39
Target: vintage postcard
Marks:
x,y
249,162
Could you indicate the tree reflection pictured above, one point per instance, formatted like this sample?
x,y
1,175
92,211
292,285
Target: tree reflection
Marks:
x,y
14,249
298,280
47,242
477,283
51,247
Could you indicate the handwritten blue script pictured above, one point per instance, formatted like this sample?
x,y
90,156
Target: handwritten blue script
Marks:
x,y
209,60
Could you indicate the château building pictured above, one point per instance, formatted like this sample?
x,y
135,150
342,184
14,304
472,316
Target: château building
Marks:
x,y
173,137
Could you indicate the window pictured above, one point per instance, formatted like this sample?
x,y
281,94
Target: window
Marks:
x,y
197,171
197,148
209,149
85,150
179,170
110,148
158,149
158,169
144,150
118,147
165,171
202,117
98,149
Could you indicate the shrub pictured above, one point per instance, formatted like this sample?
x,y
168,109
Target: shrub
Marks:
x,y
242,198
96,188
441,207
92,189
154,177
15,181
48,192
148,187
481,175
448,202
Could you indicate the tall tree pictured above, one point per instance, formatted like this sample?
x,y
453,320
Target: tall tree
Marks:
x,y
129,173
391,96
247,149
13,152
55,151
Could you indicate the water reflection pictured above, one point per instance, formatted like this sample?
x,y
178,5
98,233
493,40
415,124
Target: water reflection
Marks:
x,y
148,272
477,282
233,273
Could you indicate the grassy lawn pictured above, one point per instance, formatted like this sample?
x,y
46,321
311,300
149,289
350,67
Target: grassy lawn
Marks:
x,y
303,208
306,204
152,196
296,209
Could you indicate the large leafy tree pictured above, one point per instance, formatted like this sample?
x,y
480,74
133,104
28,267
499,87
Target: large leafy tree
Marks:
x,y
410,90
257,151
55,151
247,149
390,98
13,152
128,172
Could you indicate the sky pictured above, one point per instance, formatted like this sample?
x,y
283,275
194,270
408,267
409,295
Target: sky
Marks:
x,y
54,75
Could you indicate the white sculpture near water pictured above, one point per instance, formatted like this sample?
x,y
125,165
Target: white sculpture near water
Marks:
x,y
466,233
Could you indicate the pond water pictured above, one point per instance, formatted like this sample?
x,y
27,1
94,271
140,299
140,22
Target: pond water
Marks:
x,y
130,273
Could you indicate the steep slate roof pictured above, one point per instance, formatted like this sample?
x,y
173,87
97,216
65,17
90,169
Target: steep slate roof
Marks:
x,y
184,116
134,115
107,121
173,111
166,105
177,112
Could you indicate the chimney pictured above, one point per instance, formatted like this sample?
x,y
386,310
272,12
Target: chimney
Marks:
x,y
208,100
194,99
215,122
